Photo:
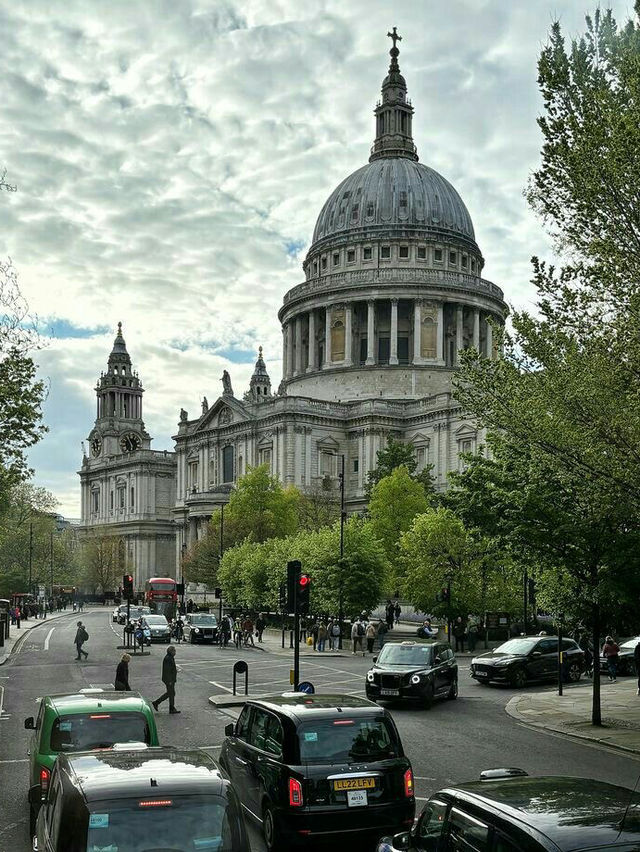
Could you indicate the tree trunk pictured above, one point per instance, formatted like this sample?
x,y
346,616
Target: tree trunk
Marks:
x,y
596,714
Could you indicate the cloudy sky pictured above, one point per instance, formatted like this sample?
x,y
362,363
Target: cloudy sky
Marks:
x,y
172,156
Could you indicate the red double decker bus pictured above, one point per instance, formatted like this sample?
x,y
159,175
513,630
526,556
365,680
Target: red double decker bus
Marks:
x,y
160,596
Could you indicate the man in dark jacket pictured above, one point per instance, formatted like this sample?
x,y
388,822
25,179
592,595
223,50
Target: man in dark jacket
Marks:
x,y
636,659
122,674
81,638
169,677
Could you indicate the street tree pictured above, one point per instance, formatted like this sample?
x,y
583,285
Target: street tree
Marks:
x,y
397,454
395,501
103,561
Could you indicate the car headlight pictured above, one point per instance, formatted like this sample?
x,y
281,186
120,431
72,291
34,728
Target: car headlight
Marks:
x,y
196,630
415,679
370,677
502,663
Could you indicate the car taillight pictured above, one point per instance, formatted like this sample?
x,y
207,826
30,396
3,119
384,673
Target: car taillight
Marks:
x,y
408,784
295,793
45,774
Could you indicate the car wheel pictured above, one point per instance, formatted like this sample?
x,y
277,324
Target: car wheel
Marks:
x,y
428,696
269,830
573,673
453,692
518,678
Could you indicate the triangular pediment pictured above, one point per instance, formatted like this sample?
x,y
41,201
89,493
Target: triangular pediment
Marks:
x,y
328,443
225,411
420,439
466,431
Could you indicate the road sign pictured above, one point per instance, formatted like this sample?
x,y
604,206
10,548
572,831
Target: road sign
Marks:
x,y
306,686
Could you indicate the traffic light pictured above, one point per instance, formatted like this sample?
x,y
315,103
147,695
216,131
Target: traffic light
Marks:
x,y
180,589
304,589
127,585
293,573
217,592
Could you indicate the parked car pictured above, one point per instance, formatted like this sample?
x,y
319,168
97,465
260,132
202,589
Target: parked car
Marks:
x,y
318,767
528,658
626,661
417,671
201,627
508,811
94,719
115,615
138,799
158,627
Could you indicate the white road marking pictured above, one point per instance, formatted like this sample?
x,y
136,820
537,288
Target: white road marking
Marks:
x,y
220,686
421,799
46,641
18,760
422,778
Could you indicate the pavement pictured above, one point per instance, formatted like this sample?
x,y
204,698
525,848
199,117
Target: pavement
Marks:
x,y
18,634
570,714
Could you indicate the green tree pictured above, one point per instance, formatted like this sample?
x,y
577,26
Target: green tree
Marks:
x,y
397,454
103,561
395,501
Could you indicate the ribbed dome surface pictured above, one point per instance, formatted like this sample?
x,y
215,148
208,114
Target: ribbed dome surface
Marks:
x,y
394,192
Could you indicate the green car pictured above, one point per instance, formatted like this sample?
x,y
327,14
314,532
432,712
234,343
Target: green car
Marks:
x,y
83,721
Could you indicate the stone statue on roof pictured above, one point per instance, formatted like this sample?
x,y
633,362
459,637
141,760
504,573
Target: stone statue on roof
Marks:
x,y
183,415
205,405
227,390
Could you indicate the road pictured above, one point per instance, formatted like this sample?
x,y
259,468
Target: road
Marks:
x,y
450,743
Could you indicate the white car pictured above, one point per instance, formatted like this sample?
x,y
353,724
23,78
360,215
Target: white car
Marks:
x,y
158,627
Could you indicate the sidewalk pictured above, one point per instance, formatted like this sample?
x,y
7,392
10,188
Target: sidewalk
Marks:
x,y
27,626
570,714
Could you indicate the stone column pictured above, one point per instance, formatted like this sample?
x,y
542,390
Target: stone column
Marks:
x,y
440,335
290,349
489,339
417,332
327,338
312,341
307,456
459,328
371,306
348,311
393,355
476,329
285,354
298,363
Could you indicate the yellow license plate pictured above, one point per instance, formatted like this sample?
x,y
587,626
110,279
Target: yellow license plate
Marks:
x,y
354,784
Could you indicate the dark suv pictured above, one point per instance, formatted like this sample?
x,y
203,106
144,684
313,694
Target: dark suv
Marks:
x,y
420,671
138,800
319,767
527,658
510,812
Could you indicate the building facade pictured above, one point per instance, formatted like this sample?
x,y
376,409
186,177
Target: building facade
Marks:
x,y
392,292
127,489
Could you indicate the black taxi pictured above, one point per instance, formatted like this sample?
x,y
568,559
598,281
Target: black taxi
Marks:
x,y
321,768
507,811
139,799
420,671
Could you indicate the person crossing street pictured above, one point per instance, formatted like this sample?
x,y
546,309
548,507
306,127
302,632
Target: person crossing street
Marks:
x,y
81,638
169,678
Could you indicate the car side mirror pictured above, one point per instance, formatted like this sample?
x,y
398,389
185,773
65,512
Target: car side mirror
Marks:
x,y
402,841
229,729
29,723
437,659
536,653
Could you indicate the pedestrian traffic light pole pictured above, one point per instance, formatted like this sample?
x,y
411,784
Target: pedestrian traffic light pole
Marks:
x,y
341,567
221,554
296,632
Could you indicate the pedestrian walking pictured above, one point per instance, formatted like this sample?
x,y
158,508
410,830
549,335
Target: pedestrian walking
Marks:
x,y
169,678
587,649
357,636
261,623
237,632
459,632
334,634
472,632
390,615
382,633
225,631
18,615
81,638
247,630
322,635
397,611
121,682
314,634
370,634
610,652
636,660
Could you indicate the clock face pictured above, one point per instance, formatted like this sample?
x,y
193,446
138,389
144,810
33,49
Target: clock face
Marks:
x,y
96,446
130,442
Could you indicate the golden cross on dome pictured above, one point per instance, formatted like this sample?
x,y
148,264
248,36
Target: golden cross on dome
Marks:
x,y
394,36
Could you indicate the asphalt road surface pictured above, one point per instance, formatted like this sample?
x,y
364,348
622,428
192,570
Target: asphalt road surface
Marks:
x,y
448,744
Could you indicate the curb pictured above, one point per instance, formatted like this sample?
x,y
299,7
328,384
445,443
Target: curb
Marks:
x,y
512,710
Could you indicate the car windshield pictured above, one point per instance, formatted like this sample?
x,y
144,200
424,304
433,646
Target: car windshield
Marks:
x,y
516,646
203,620
347,740
84,731
170,822
156,620
631,643
405,655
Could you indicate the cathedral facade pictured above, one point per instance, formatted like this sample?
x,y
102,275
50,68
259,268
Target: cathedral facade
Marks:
x,y
392,292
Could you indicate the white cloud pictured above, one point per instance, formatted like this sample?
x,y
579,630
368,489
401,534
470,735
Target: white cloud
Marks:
x,y
167,154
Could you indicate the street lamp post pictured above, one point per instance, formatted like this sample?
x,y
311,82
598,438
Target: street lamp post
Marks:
x,y
51,555
341,565
221,553
30,557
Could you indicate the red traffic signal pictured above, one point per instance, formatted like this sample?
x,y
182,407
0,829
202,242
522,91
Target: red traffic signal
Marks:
x,y
304,580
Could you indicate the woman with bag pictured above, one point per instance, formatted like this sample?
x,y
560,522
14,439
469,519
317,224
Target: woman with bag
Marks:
x,y
122,674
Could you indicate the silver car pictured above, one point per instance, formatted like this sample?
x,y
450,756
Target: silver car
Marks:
x,y
158,626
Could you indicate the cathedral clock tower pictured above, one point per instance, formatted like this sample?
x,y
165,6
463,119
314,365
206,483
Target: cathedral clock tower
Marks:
x,y
128,489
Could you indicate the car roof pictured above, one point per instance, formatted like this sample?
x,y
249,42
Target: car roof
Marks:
x,y
417,642
301,707
106,701
158,771
574,813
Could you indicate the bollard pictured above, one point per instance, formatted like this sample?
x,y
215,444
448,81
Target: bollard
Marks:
x,y
241,667
2,620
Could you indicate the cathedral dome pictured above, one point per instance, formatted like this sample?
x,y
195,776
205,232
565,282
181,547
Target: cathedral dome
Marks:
x,y
390,194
